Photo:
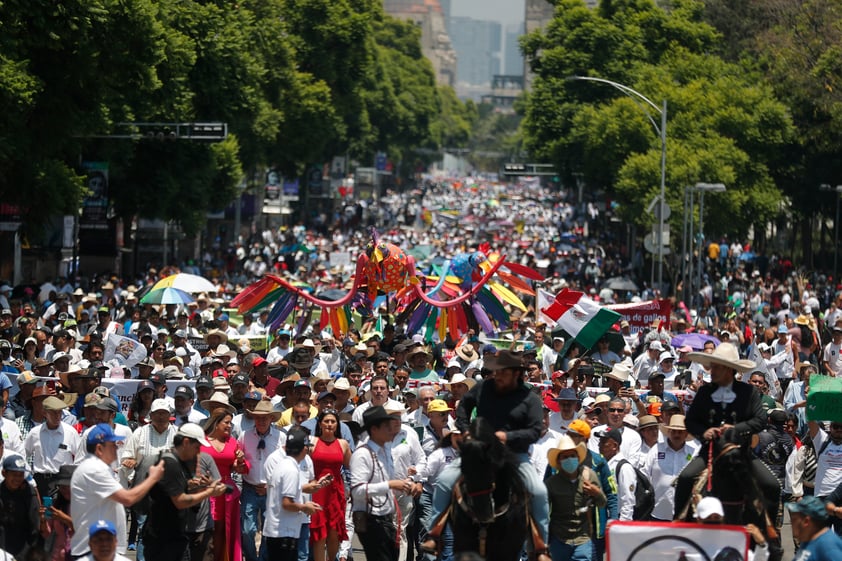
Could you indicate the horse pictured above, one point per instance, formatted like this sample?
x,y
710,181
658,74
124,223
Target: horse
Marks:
x,y
489,507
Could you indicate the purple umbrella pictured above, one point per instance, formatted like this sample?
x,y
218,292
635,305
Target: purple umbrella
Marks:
x,y
695,340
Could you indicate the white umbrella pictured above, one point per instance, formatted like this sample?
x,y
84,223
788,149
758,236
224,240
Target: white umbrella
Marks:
x,y
186,282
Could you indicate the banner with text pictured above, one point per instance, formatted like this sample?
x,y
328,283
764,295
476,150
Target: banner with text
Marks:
x,y
659,541
642,315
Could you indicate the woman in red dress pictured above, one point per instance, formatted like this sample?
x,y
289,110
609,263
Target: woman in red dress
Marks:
x,y
329,455
225,509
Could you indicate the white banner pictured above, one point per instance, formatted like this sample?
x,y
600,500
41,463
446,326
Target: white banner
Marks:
x,y
123,390
660,541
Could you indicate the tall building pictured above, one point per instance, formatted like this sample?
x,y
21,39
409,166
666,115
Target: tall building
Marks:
x,y
435,41
512,58
478,45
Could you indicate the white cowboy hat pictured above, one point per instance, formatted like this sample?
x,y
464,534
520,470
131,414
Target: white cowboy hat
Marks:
x,y
460,378
224,350
619,371
218,399
725,354
342,384
566,443
676,423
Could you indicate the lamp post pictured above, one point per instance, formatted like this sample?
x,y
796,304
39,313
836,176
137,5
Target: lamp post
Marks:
x,y
702,188
838,190
687,245
637,97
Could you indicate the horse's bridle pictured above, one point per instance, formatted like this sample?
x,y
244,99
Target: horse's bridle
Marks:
x,y
465,501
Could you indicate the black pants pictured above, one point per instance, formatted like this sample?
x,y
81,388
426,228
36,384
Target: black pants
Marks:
x,y
201,545
379,541
282,549
768,484
168,548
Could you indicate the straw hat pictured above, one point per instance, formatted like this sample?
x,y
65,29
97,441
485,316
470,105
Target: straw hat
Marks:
x,y
460,378
223,337
566,443
265,408
342,384
620,371
467,353
676,423
218,399
725,354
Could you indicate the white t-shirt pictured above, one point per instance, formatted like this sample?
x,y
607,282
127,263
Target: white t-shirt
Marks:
x,y
829,465
283,479
117,557
92,484
833,356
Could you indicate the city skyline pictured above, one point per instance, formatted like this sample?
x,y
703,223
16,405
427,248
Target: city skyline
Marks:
x,y
503,11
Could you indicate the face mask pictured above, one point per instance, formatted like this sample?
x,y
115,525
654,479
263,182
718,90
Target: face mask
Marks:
x,y
569,465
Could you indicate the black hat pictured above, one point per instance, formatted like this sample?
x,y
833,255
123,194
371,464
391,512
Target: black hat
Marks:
x,y
297,439
374,415
505,359
670,405
184,391
239,379
204,382
777,416
614,434
158,378
65,474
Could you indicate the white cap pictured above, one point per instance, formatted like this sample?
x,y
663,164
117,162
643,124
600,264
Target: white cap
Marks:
x,y
194,431
160,405
666,355
707,507
656,345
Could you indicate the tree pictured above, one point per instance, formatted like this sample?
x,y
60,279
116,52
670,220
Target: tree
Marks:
x,y
724,125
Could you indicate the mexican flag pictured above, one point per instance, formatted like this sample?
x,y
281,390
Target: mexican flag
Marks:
x,y
585,320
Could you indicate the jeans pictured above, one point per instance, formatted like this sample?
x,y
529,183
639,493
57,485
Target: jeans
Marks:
x,y
539,502
426,506
252,509
561,551
141,520
304,543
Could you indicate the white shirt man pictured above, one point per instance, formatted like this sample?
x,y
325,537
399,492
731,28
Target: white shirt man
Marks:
x,y
53,443
832,355
630,446
626,478
829,461
538,450
665,461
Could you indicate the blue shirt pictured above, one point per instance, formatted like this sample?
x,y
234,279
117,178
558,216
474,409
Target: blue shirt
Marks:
x,y
826,547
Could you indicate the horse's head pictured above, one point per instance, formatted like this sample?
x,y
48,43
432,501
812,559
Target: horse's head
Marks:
x,y
484,457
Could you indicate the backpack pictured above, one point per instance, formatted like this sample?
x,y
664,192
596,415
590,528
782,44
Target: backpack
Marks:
x,y
644,493
141,472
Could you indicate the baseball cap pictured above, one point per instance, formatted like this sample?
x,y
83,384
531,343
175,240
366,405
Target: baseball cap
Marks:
x,y
810,506
656,346
204,382
670,405
194,431
13,462
297,439
52,403
438,406
184,391
258,361
782,328
326,394
239,379
253,395
108,404
709,506
160,405
102,433
614,434
579,427
102,526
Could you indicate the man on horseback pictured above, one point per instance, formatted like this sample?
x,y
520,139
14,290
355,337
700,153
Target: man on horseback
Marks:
x,y
725,409
515,413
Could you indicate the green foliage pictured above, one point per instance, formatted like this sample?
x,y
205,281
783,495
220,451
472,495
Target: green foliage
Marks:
x,y
723,124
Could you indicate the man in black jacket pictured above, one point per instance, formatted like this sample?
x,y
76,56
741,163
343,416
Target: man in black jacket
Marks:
x,y
516,413
728,409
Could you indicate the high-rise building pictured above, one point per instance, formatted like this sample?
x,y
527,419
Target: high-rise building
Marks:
x,y
512,57
478,45
435,41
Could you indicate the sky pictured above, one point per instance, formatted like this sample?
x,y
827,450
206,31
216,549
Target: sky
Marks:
x,y
504,11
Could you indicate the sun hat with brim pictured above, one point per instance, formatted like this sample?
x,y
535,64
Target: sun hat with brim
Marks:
x,y
646,421
27,377
676,423
264,407
418,350
223,350
43,391
565,443
220,384
223,337
505,359
375,415
620,371
467,353
218,399
342,384
709,506
287,382
52,403
363,348
194,431
601,398
460,378
726,355
567,394
41,362
300,360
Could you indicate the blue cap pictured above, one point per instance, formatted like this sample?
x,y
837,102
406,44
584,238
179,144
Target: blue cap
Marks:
x,y
489,348
102,433
224,317
810,506
13,462
782,328
567,394
102,525
253,395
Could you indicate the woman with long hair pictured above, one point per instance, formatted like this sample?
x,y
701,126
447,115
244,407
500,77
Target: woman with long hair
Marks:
x,y
30,352
138,414
225,509
329,455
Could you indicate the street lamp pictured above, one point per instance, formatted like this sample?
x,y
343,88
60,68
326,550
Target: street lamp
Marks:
x,y
838,190
702,188
636,96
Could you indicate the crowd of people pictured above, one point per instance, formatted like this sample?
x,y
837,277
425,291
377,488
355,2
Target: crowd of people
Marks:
x,y
227,453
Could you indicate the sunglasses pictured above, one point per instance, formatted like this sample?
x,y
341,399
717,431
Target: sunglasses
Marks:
x,y
616,409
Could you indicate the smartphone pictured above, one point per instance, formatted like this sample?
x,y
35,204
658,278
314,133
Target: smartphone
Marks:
x,y
48,503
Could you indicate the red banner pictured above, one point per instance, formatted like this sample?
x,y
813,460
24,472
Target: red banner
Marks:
x,y
642,315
